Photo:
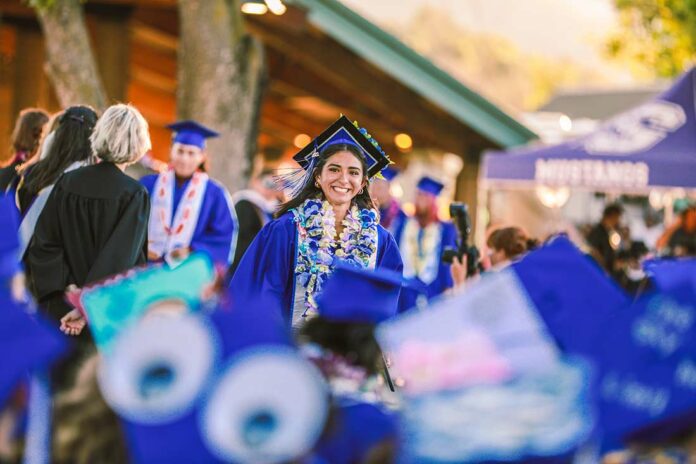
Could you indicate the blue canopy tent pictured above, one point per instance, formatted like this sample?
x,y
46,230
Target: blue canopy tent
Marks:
x,y
650,146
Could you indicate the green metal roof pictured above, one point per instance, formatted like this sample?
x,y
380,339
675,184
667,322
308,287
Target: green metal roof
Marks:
x,y
414,71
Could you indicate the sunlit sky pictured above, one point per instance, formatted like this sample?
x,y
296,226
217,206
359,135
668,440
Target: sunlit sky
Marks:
x,y
555,28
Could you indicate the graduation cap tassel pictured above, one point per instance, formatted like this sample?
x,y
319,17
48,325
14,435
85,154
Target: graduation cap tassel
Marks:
x,y
295,180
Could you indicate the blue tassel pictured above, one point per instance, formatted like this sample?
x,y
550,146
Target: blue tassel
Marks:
x,y
295,180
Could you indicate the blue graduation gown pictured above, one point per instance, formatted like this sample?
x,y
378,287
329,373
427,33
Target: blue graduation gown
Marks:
x,y
216,231
397,224
9,240
357,428
268,265
443,281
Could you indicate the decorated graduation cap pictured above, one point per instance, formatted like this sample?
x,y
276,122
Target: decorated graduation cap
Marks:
x,y
359,295
114,305
26,343
225,386
191,133
340,132
430,185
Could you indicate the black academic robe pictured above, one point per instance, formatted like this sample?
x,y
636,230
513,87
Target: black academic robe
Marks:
x,y
8,176
94,225
250,218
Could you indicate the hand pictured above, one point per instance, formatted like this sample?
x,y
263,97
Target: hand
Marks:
x,y
18,288
152,256
458,270
73,323
181,254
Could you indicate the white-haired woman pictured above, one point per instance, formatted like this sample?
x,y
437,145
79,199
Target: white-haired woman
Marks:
x,y
94,223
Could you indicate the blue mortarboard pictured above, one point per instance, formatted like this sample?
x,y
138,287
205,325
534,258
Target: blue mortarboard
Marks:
x,y
670,273
389,173
9,240
26,343
647,368
360,295
191,133
430,185
573,297
345,132
221,387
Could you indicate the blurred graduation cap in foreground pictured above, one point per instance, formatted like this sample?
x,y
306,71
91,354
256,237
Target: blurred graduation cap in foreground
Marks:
x,y
224,387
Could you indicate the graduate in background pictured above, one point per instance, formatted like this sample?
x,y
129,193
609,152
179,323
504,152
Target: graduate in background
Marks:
x,y
422,241
331,217
189,210
26,139
254,207
391,216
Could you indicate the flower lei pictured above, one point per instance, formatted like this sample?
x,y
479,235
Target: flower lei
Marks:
x,y
317,247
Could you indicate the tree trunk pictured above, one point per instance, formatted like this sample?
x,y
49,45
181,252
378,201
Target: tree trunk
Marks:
x,y
70,63
221,76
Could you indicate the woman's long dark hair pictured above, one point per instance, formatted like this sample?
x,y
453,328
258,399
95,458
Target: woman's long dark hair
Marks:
x,y
28,129
354,341
70,144
362,200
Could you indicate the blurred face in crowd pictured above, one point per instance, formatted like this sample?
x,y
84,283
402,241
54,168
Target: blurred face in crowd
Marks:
x,y
186,159
496,256
425,204
266,186
379,191
341,178
612,221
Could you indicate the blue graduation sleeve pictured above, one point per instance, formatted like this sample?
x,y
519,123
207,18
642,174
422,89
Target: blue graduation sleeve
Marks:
x,y
215,233
358,428
388,255
9,240
149,182
267,267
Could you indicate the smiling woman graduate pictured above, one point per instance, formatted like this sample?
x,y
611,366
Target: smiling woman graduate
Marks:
x,y
189,210
330,218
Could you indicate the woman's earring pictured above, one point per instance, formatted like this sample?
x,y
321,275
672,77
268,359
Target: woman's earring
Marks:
x,y
316,184
362,190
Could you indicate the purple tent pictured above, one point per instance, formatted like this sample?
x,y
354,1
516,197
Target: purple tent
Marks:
x,y
652,145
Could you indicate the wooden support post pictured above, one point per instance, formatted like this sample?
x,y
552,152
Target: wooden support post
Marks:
x,y
467,183
110,31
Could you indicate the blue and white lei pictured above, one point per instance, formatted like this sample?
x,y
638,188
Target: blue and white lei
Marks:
x,y
318,247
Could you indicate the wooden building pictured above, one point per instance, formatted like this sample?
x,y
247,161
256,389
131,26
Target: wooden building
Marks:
x,y
323,60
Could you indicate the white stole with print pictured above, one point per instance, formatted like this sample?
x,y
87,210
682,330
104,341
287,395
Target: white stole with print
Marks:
x,y
424,265
165,234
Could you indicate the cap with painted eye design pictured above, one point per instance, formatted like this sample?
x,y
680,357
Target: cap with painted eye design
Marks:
x,y
269,406
159,368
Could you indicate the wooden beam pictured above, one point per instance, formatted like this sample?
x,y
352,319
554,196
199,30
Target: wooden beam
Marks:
x,y
158,107
350,73
154,37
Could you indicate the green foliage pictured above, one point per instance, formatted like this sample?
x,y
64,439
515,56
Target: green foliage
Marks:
x,y
656,37
42,4
489,64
